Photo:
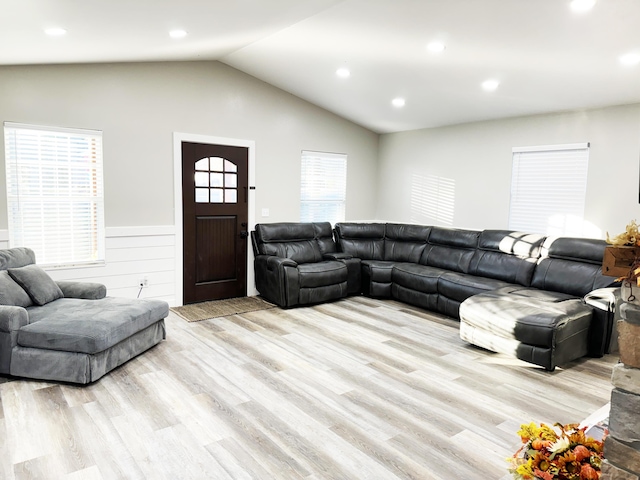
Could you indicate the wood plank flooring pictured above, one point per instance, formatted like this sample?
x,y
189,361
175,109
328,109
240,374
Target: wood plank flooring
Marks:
x,y
356,389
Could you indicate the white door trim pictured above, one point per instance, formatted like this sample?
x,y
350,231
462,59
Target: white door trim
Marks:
x,y
178,138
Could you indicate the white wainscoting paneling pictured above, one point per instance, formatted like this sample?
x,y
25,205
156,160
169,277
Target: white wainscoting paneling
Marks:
x,y
131,254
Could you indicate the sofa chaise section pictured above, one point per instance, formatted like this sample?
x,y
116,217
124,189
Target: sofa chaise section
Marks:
x,y
543,328
72,332
549,322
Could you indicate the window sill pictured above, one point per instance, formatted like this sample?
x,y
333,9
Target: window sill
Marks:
x,y
73,266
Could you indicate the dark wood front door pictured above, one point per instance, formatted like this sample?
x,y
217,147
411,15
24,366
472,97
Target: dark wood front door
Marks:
x,y
214,213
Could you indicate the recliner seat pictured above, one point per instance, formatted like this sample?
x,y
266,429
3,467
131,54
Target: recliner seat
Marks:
x,y
297,264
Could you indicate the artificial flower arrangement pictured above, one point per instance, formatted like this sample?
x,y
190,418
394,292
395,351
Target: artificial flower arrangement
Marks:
x,y
629,238
560,453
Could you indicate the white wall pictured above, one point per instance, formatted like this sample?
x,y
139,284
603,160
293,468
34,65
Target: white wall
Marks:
x,y
476,157
139,106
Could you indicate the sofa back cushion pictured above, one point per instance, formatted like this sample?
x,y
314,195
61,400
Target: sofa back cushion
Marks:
x,y
11,293
288,240
405,243
450,249
571,265
37,283
361,240
16,257
324,237
507,256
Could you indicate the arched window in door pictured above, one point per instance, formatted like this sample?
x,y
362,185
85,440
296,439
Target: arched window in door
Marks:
x,y
216,180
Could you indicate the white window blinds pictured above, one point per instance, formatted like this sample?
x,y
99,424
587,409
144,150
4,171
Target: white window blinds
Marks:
x,y
55,195
323,187
548,188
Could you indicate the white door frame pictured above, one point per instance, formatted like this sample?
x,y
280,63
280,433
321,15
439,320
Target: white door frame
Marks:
x,y
178,138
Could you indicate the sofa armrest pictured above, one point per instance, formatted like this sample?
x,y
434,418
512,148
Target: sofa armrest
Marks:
x,y
337,256
12,318
604,298
274,263
84,290
603,335
277,279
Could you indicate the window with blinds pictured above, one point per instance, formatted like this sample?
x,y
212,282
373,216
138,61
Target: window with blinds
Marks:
x,y
55,197
323,188
548,189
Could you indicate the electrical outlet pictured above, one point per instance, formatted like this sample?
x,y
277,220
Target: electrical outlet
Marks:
x,y
144,282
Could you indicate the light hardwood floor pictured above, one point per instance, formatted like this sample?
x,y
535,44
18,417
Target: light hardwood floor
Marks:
x,y
356,389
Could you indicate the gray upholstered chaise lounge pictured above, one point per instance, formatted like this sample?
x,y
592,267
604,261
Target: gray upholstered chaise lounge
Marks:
x,y
68,331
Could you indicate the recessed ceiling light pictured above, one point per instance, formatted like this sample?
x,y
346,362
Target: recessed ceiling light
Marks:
x,y
630,59
436,47
177,34
343,72
55,31
582,5
398,102
490,85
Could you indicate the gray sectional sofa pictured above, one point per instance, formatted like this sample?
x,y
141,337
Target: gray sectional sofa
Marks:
x,y
537,298
68,331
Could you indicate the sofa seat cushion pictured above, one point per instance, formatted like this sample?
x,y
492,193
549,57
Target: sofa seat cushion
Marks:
x,y
88,326
417,277
321,274
378,270
458,286
527,315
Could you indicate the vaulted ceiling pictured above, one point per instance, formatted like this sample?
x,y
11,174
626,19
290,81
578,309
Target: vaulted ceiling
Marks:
x,y
544,55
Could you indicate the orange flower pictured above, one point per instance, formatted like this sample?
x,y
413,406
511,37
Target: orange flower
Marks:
x,y
587,472
539,444
581,452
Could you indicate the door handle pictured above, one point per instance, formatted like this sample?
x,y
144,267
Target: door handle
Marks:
x,y
244,234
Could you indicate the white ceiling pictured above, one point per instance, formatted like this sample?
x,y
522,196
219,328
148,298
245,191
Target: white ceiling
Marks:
x,y
547,57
